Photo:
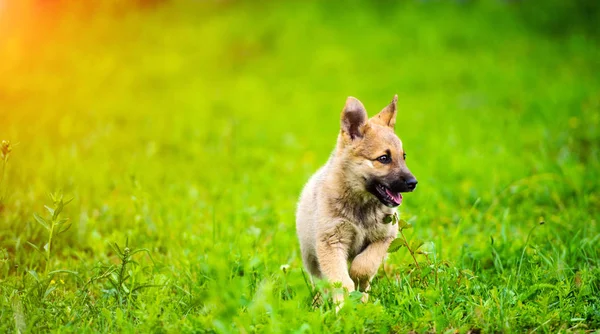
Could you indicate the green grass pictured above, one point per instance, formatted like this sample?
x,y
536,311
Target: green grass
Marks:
x,y
185,131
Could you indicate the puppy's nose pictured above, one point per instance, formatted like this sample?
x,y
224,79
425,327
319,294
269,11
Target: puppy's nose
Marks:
x,y
411,183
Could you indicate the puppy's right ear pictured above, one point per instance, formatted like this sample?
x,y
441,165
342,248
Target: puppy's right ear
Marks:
x,y
354,118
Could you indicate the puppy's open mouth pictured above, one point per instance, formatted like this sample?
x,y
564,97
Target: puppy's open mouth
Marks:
x,y
387,196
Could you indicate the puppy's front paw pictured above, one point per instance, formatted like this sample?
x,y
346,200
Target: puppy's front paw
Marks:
x,y
341,291
363,268
365,297
338,301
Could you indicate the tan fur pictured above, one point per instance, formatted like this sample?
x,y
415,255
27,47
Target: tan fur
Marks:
x,y
337,220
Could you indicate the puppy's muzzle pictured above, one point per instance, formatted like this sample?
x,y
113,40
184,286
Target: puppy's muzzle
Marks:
x,y
404,183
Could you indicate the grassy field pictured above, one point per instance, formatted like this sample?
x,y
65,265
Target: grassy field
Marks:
x,y
183,132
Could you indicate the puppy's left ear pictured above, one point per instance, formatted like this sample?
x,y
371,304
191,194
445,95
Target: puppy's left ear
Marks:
x,y
354,119
387,117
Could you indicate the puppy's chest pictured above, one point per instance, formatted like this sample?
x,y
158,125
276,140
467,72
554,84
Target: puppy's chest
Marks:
x,y
367,219
369,233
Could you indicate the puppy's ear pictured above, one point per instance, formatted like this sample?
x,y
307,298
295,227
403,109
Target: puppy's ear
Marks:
x,y
354,118
387,117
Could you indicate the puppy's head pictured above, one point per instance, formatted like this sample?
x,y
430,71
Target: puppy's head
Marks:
x,y
373,157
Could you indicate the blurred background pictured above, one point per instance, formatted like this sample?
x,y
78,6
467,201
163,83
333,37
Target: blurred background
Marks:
x,y
190,127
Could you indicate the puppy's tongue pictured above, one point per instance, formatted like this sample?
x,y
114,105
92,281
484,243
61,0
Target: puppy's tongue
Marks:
x,y
396,197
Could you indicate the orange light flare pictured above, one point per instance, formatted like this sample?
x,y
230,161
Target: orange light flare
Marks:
x,y
26,27
29,30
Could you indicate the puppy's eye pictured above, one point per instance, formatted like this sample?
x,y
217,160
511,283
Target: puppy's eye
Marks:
x,y
404,156
384,159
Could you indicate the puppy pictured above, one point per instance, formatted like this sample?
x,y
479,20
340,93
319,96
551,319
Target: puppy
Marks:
x,y
341,211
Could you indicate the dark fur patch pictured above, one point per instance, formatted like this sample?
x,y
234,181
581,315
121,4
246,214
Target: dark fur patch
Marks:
x,y
354,208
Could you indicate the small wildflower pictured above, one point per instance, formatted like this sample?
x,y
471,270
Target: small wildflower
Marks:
x,y
5,149
52,282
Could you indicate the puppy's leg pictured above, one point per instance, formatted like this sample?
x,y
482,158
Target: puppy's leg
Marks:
x,y
333,244
365,265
